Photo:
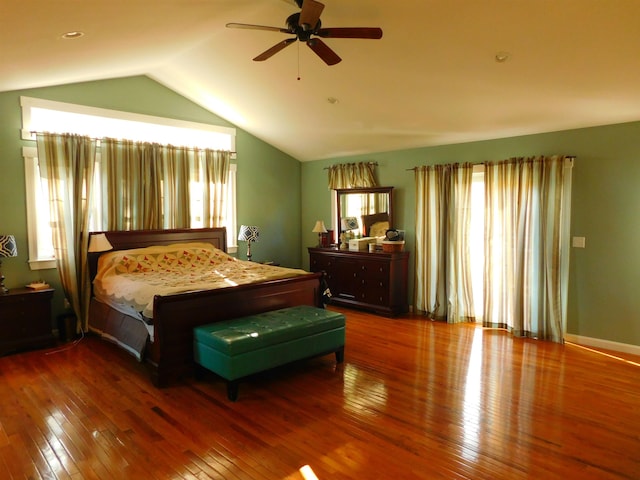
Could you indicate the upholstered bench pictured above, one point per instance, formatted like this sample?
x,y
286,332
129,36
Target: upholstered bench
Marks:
x,y
243,346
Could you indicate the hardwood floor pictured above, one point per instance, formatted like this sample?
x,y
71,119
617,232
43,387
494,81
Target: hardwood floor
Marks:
x,y
414,399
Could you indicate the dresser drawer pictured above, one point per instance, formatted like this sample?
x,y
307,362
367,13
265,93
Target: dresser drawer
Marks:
x,y
368,280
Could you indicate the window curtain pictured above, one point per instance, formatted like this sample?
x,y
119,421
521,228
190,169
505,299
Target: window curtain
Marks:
x,y
67,164
352,175
442,266
133,175
527,214
214,171
152,186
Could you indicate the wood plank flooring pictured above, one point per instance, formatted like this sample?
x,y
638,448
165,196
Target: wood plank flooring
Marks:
x,y
414,399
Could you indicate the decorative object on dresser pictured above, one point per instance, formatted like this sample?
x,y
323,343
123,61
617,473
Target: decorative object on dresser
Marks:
x,y
347,226
319,228
249,233
371,281
25,319
8,248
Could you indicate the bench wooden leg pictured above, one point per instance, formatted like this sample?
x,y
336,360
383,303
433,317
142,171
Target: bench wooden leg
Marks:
x,y
232,390
340,355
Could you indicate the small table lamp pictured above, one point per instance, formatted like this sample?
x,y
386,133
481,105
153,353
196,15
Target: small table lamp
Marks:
x,y
8,248
99,242
319,228
249,233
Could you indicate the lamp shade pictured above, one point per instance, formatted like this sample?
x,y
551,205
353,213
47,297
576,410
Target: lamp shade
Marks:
x,y
319,227
8,247
248,233
99,243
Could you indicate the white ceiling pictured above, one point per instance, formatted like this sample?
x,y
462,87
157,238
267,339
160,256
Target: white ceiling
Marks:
x,y
431,80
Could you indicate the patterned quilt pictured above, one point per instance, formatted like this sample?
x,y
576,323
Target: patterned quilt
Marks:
x,y
131,278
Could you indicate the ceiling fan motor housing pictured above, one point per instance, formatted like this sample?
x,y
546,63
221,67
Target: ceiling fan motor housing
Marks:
x,y
304,31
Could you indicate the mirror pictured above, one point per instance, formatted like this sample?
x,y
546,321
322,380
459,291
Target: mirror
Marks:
x,y
371,207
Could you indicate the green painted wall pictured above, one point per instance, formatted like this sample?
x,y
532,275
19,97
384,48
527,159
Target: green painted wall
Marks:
x,y
604,302
285,198
262,171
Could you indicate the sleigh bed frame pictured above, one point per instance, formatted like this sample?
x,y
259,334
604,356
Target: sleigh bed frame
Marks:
x,y
170,355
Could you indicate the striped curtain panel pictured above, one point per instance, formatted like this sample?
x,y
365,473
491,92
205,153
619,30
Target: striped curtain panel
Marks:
x,y
352,175
67,164
527,215
442,268
152,186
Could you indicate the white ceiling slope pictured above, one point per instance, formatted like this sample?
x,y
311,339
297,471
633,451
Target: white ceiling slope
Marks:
x,y
431,80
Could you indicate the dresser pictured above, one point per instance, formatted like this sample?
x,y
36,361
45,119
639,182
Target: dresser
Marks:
x,y
25,319
371,281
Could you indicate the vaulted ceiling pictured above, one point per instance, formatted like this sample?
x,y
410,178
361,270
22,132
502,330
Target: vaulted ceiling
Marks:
x,y
432,79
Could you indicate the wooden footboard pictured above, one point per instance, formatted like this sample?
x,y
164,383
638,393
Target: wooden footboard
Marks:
x,y
170,356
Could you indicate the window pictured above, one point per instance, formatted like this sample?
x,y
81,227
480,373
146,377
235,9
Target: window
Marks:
x,y
57,117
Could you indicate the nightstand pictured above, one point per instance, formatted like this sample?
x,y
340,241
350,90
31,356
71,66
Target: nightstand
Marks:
x,y
25,319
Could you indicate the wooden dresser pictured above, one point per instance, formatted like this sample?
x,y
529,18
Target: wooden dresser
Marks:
x,y
25,319
371,281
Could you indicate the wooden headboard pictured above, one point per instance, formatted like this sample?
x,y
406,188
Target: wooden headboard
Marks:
x,y
125,240
146,238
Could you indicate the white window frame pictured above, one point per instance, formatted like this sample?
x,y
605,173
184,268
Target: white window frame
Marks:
x,y
156,129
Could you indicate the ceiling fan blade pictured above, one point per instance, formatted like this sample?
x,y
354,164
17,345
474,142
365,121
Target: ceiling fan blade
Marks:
x,y
257,27
323,51
273,50
310,14
357,32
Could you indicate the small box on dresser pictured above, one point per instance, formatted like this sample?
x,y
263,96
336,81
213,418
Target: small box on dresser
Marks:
x,y
25,319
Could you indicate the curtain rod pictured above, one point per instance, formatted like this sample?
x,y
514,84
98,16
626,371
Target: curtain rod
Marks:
x,y
570,157
32,132
353,163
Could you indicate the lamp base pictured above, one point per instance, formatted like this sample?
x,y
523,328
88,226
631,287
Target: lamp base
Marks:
x,y
3,290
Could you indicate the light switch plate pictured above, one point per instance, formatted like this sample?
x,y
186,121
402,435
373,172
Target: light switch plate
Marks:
x,y
578,242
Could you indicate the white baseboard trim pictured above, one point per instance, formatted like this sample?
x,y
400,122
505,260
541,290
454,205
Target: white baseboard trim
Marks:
x,y
605,344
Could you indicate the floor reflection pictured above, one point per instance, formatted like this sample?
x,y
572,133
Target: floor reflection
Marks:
x,y
471,410
362,391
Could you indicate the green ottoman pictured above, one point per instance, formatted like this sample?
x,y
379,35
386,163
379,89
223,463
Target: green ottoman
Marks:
x,y
240,347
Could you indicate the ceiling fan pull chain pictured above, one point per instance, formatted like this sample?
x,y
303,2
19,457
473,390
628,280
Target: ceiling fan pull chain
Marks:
x,y
298,61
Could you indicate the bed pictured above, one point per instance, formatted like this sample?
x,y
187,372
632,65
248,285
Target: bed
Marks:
x,y
163,337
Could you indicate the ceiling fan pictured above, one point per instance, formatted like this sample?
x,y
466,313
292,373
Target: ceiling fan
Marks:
x,y
307,27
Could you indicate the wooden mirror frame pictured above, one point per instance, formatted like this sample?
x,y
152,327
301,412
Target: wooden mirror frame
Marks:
x,y
359,191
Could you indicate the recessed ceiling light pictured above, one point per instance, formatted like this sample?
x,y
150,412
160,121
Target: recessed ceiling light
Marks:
x,y
502,57
72,35
333,100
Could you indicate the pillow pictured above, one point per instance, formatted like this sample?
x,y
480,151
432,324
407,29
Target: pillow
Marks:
x,y
378,229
